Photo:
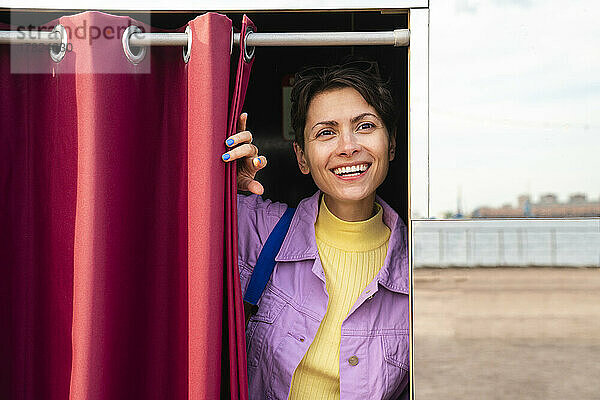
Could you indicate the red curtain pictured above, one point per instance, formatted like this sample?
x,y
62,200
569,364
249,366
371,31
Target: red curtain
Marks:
x,y
235,326
118,218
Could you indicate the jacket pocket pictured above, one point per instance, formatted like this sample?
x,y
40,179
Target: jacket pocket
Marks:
x,y
261,327
396,357
396,350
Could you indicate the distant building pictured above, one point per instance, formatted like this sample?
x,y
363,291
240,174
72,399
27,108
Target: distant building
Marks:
x,y
548,206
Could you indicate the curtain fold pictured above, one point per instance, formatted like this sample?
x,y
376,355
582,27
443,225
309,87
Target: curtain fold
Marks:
x,y
238,377
113,215
207,124
37,220
128,331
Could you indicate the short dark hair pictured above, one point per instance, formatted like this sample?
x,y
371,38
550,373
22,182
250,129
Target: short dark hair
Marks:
x,y
363,76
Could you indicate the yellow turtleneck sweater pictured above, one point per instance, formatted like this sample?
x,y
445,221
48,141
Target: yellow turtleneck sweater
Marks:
x,y
352,253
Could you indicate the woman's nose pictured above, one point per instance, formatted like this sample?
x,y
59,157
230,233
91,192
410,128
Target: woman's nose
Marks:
x,y
348,144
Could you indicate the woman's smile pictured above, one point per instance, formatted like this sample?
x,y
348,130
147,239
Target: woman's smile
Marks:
x,y
351,171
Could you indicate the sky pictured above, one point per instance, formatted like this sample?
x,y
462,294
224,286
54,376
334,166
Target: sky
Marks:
x,y
514,101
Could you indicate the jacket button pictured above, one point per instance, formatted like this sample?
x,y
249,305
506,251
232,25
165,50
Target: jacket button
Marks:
x,y
353,361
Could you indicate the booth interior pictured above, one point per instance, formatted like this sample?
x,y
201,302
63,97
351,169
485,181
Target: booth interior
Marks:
x,y
270,79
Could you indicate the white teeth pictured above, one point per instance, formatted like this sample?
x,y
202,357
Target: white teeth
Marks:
x,y
351,170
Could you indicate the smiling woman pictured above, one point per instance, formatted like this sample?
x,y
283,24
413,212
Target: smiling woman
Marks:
x,y
333,321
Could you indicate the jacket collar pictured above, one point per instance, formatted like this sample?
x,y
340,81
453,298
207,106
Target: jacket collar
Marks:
x,y
300,242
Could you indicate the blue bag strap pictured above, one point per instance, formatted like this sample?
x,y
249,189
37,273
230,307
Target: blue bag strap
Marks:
x,y
266,259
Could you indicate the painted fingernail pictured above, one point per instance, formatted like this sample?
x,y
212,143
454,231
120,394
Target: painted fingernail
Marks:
x,y
225,157
229,142
257,161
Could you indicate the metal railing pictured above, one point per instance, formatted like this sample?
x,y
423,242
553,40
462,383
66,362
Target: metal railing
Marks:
x,y
506,243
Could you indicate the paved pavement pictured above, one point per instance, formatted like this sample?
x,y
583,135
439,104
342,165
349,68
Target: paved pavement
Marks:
x,y
507,333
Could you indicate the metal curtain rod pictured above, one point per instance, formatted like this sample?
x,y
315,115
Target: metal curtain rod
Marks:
x,y
398,37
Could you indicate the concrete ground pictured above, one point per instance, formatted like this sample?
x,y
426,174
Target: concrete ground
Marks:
x,y
507,333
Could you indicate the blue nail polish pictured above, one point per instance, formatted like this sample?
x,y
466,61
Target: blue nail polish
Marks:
x,y
229,142
225,157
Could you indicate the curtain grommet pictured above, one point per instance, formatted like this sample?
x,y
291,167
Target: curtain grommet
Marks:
x,y
58,54
248,55
135,58
187,49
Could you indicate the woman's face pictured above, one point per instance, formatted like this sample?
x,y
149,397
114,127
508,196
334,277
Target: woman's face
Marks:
x,y
347,147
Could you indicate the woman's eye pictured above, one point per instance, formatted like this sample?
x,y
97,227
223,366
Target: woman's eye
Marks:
x,y
325,132
366,125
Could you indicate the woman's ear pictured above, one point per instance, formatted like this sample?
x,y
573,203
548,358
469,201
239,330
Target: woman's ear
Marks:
x,y
392,147
302,163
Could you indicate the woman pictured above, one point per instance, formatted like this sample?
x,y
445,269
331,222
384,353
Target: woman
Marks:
x,y
333,321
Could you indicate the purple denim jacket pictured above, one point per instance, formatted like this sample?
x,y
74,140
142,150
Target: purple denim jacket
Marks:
x,y
294,302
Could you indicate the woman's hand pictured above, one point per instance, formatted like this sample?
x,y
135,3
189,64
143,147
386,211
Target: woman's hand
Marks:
x,y
249,161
